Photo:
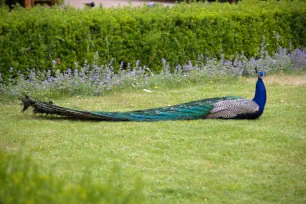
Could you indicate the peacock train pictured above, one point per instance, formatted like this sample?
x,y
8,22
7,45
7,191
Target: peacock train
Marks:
x,y
228,107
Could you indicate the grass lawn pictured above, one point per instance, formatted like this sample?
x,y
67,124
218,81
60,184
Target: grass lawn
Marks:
x,y
217,161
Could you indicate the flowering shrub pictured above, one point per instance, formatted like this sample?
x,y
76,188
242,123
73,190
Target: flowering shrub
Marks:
x,y
98,80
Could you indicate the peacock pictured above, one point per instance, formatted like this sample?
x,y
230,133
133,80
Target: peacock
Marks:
x,y
229,107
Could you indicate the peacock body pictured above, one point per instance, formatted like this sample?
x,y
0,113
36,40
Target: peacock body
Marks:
x,y
230,107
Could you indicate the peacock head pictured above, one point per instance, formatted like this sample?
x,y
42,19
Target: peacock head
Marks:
x,y
259,73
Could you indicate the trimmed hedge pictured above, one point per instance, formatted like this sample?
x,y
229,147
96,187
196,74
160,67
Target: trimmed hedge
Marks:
x,y
33,38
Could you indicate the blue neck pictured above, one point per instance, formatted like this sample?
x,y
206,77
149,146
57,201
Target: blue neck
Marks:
x,y
260,95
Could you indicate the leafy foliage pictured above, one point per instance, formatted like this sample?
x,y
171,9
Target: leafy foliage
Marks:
x,y
23,181
33,38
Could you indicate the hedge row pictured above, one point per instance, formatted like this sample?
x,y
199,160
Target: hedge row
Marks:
x,y
33,38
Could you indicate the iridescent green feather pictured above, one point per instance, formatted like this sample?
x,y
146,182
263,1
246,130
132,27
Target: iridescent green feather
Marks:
x,y
186,111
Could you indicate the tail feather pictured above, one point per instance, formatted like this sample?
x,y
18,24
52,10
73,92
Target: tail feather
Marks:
x,y
186,111
49,108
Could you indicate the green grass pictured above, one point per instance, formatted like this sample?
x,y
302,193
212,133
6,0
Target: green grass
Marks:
x,y
214,161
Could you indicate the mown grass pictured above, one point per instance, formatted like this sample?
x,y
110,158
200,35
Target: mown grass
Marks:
x,y
214,161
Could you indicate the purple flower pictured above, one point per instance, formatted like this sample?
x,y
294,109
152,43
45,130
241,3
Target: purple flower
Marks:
x,y
129,67
188,67
50,78
178,69
32,75
253,61
121,65
151,4
45,83
93,78
298,58
76,73
164,61
228,63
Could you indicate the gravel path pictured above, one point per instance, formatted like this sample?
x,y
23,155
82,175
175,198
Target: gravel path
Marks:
x,y
108,3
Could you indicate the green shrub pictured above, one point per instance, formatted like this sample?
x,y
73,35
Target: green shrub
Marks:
x,y
23,181
2,3
33,38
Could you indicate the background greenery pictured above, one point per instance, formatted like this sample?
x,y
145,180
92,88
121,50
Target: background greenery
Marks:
x,y
215,161
23,181
36,37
